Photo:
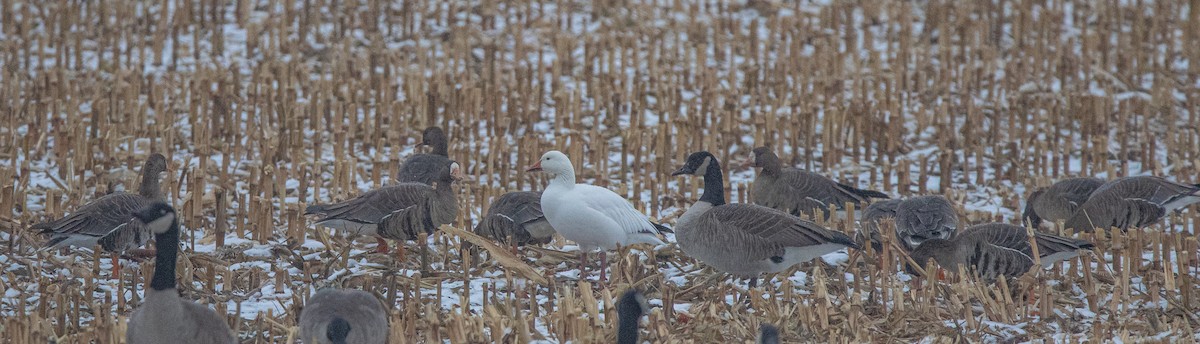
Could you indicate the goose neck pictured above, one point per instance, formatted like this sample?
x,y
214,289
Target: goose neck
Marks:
x,y
627,329
770,164
150,187
167,246
714,186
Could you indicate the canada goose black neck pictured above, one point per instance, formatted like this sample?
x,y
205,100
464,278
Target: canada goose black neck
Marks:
x,y
629,312
167,245
337,331
714,183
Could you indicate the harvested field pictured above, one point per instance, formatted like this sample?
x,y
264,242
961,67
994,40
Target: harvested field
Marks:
x,y
265,107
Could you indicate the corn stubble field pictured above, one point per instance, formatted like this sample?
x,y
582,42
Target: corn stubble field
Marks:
x,y
265,106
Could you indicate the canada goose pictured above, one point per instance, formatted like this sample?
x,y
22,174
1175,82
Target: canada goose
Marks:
x,y
1059,201
630,309
767,334
109,221
425,168
998,249
917,219
164,317
517,215
1132,202
589,215
746,240
800,192
343,316
397,212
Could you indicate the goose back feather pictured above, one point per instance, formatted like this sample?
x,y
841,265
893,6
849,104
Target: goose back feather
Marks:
x,y
517,215
1132,202
1059,201
109,220
997,249
799,192
408,209
344,316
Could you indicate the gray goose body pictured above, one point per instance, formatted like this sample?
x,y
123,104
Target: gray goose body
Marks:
x,y
165,317
1059,201
425,168
917,219
800,192
746,240
1132,202
872,219
408,209
108,221
517,215
334,316
998,249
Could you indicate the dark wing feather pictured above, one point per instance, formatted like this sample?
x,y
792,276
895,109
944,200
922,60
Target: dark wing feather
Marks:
x,y
373,206
422,168
818,187
97,218
769,226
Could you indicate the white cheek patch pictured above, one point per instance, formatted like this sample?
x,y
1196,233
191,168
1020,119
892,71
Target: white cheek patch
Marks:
x,y
161,224
700,171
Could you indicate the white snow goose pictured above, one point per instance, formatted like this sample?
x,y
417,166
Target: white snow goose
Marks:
x,y
591,216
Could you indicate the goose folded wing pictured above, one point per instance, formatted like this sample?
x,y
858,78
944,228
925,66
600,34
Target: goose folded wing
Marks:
x,y
373,206
991,261
818,188
99,217
766,227
616,208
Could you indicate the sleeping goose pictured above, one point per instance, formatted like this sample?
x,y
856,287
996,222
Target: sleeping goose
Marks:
x,y
517,215
630,309
997,249
591,216
917,219
1059,201
767,334
746,240
343,316
165,317
425,168
1132,202
800,192
108,221
397,212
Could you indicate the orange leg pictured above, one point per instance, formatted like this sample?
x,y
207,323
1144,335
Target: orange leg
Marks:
x,y
382,247
603,265
116,265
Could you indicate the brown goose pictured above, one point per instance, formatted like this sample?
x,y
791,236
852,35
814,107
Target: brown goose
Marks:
x,y
746,240
800,192
342,316
517,215
917,219
997,249
872,218
164,317
1059,201
425,168
397,212
1132,202
108,221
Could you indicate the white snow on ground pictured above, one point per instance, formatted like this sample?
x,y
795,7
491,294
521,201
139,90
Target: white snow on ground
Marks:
x,y
278,298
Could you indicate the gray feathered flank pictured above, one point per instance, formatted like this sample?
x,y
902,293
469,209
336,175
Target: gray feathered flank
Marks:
x,y
873,217
517,215
397,212
925,217
745,239
334,316
108,221
997,249
1059,201
425,168
165,317
799,192
1132,202
917,219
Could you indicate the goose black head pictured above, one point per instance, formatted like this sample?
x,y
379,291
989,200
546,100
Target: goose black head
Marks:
x,y
158,216
697,164
432,136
